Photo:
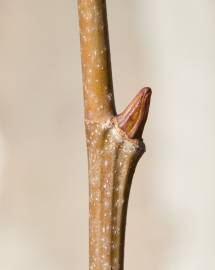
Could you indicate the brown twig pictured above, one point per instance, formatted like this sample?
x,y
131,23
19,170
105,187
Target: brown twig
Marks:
x,y
113,141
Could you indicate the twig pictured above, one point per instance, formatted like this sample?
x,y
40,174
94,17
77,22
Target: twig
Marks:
x,y
113,141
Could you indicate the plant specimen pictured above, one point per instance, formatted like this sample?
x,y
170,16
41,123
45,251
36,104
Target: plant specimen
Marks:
x,y
114,141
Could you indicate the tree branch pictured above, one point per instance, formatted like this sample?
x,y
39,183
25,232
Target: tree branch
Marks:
x,y
114,142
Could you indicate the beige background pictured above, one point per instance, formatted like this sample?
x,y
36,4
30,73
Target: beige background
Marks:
x,y
166,44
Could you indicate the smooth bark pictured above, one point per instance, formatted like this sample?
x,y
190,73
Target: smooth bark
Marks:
x,y
114,142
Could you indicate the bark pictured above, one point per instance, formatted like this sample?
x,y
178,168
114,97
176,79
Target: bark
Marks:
x,y
114,142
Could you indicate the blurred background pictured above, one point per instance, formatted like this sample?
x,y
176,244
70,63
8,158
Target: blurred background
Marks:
x,y
166,44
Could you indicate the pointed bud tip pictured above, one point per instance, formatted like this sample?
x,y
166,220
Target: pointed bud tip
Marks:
x,y
132,120
145,92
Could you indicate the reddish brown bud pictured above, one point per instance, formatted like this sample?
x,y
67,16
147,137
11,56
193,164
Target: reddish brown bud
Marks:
x,y
132,120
